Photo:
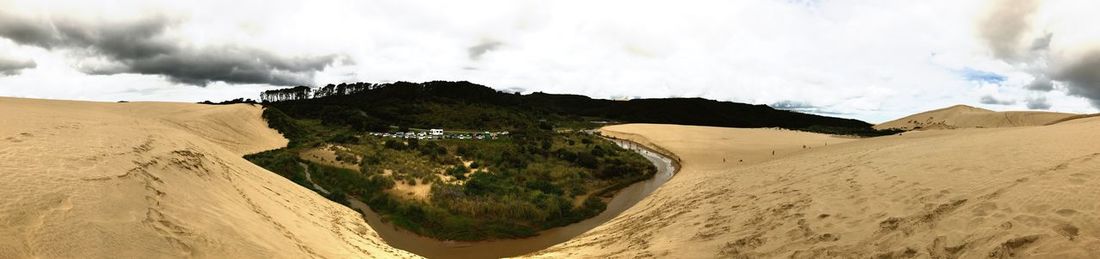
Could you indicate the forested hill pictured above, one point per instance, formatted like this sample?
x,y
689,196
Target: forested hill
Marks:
x,y
465,105
689,111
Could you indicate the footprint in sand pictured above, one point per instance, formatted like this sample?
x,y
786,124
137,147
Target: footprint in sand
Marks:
x,y
1067,230
19,138
1066,212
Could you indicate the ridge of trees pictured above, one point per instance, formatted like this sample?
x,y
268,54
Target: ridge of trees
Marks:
x,y
305,92
465,105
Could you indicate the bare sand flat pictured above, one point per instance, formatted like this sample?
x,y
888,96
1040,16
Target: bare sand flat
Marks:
x,y
155,180
967,193
962,116
327,156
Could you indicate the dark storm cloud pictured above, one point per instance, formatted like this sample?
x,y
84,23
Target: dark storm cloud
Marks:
x,y
1038,103
1082,76
1041,83
142,47
480,49
989,99
1042,43
1004,30
138,39
227,63
13,67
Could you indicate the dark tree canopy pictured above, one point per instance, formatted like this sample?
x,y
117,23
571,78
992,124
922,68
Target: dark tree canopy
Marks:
x,y
465,105
286,94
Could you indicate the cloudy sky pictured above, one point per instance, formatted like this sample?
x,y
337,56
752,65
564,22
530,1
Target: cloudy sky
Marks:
x,y
869,59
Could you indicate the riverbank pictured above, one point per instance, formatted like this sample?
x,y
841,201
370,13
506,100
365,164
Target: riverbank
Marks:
x,y
433,248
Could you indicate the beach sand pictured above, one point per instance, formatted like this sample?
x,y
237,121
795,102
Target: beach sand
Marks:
x,y
966,193
155,180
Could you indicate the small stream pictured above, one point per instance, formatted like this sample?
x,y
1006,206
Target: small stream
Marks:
x,y
310,179
433,248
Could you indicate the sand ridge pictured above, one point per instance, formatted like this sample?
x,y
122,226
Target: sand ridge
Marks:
x,y
967,193
155,180
962,116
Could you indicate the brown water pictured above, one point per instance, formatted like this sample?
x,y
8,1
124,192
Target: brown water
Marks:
x,y
433,248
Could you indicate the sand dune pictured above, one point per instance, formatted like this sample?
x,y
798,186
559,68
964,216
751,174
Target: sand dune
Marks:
x,y
154,180
968,193
962,116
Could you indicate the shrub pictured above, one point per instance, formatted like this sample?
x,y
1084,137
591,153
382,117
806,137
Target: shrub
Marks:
x,y
394,144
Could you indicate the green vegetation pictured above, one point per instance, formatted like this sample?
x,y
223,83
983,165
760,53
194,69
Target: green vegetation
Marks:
x,y
512,187
542,175
282,163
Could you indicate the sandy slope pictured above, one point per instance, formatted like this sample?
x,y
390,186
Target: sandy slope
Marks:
x,y
962,116
969,193
151,180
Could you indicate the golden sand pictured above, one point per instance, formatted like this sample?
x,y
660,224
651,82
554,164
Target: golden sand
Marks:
x,y
962,116
968,193
141,180
154,180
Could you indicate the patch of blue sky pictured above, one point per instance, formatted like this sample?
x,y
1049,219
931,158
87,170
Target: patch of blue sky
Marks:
x,y
975,75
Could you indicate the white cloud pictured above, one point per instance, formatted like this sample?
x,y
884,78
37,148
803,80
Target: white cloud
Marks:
x,y
874,60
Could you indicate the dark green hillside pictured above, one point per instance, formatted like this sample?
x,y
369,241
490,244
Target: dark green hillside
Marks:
x,y
690,111
464,105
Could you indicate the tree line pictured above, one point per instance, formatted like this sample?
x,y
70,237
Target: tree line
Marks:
x,y
305,92
286,94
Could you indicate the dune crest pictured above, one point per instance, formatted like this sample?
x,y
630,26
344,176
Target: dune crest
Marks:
x,y
967,193
962,116
153,180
